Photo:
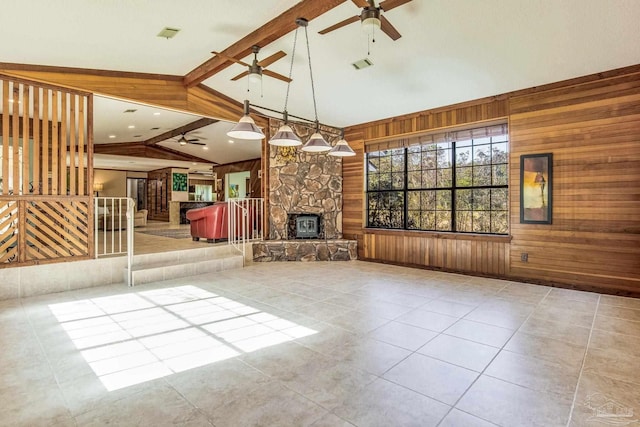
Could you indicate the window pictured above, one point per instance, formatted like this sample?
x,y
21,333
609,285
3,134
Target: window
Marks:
x,y
456,181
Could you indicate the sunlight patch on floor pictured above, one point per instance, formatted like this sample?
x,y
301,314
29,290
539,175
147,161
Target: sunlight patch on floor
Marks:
x,y
131,338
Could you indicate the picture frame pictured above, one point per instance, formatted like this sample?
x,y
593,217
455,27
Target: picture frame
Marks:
x,y
536,188
180,182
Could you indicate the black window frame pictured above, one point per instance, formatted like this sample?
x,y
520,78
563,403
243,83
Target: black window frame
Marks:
x,y
454,188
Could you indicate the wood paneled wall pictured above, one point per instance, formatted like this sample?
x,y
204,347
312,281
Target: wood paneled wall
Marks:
x,y
593,131
253,166
159,194
45,173
592,127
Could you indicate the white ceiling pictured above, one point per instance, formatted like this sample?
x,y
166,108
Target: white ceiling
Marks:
x,y
450,50
112,125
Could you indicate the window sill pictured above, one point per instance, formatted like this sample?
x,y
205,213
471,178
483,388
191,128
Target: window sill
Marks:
x,y
439,235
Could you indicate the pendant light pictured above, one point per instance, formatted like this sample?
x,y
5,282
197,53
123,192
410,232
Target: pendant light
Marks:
x,y
246,128
342,149
285,137
316,144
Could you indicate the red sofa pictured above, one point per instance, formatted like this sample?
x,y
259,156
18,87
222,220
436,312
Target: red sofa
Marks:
x,y
212,222
209,222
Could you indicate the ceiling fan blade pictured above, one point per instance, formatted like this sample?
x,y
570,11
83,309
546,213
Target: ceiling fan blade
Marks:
x,y
271,59
229,58
276,76
340,24
389,29
196,143
387,5
193,140
241,75
361,3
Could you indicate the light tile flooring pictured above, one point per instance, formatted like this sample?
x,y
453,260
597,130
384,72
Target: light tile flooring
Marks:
x,y
321,344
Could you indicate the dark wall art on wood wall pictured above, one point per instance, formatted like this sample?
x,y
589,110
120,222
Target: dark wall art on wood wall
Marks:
x,y
536,182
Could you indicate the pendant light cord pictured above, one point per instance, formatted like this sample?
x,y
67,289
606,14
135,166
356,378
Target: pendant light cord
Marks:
x,y
313,90
293,54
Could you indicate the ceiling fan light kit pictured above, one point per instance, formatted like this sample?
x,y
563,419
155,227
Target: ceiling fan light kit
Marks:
x,y
285,136
371,18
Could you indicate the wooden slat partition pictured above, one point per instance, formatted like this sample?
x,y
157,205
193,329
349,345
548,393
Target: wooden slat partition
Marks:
x,y
55,152
45,142
5,137
592,127
45,202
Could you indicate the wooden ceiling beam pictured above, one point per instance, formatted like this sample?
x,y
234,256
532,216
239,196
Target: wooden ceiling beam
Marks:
x,y
268,33
139,149
189,127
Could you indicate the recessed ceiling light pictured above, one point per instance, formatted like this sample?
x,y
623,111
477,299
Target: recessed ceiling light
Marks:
x,y
112,136
156,113
131,127
194,163
204,147
231,141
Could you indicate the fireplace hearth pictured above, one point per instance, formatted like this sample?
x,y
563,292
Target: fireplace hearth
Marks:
x,y
305,226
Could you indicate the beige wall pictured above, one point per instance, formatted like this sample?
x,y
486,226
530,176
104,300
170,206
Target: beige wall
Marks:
x,y
114,182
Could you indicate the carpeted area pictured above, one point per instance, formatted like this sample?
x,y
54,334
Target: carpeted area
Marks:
x,y
180,233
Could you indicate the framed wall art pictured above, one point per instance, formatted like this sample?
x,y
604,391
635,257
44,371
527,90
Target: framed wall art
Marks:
x,y
536,183
180,181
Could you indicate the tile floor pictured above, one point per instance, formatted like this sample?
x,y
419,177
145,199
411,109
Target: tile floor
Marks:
x,y
321,344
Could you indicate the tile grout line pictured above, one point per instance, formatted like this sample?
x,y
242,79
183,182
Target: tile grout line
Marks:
x,y
584,359
491,361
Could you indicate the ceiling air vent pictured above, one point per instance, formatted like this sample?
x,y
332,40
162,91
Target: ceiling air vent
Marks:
x,y
168,33
363,63
130,110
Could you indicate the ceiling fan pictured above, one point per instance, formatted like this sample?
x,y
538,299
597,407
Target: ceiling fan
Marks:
x,y
183,140
257,68
371,17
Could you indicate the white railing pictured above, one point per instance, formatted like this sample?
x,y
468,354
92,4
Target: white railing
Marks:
x,y
245,220
113,225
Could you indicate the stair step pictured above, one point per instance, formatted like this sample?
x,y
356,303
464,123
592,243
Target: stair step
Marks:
x,y
171,265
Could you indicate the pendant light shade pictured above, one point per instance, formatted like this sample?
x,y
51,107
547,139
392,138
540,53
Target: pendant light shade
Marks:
x,y
246,128
316,144
342,149
285,137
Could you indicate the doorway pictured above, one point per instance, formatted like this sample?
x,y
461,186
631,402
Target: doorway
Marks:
x,y
137,190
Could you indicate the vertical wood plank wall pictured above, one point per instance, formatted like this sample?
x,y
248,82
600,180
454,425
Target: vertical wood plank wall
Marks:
x,y
593,131
45,202
592,127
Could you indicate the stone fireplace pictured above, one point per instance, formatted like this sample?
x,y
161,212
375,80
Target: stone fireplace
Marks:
x,y
305,191
304,183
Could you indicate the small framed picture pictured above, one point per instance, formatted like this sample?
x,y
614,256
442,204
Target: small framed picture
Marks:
x,y
536,184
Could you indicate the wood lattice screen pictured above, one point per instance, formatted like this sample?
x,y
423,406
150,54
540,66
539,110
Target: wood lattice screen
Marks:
x,y
46,171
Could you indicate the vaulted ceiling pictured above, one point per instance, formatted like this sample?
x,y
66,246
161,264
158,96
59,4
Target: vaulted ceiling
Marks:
x,y
450,50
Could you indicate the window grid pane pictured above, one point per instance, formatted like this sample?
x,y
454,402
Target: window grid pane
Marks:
x,y
466,179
